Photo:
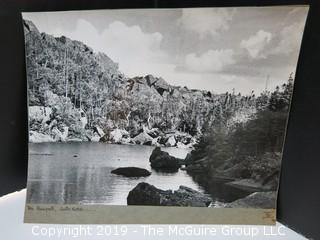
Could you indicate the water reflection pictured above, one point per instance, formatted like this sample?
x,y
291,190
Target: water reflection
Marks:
x,y
57,176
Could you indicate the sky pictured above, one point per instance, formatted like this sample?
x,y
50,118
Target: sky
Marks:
x,y
216,49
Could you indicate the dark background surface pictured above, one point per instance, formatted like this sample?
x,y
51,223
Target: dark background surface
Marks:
x,y
299,193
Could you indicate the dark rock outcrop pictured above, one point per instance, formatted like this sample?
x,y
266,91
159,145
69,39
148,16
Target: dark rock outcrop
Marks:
x,y
265,200
162,161
146,194
190,197
154,133
200,166
131,172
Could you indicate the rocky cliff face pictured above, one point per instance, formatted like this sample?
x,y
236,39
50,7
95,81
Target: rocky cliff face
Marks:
x,y
76,94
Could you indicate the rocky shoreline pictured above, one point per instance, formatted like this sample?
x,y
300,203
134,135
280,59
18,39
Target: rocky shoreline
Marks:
x,y
258,196
53,131
265,200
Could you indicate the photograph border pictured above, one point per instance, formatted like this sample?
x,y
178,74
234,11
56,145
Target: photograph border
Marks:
x,y
118,214
112,214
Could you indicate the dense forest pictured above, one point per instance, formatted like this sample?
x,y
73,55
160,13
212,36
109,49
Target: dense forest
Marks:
x,y
249,151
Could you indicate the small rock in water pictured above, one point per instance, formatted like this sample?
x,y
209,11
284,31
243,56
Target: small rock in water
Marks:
x,y
75,155
131,172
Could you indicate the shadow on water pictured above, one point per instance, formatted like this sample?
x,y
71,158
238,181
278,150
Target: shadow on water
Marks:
x,y
217,188
165,171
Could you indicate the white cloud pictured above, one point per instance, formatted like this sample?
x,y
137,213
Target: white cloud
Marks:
x,y
205,21
290,39
132,48
210,61
256,44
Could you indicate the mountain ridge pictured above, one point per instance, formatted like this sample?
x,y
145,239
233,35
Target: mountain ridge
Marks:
x,y
86,91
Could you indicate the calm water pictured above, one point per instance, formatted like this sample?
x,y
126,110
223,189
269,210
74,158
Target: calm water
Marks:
x,y
56,176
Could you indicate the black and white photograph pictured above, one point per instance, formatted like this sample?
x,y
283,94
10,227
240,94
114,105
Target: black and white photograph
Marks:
x,y
176,107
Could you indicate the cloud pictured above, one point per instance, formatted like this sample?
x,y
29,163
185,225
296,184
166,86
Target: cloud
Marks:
x,y
290,39
256,44
132,48
290,36
283,42
204,48
210,61
205,21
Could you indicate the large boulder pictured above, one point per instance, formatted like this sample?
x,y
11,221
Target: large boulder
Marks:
x,y
171,142
119,136
181,145
143,138
162,161
159,84
94,137
39,113
99,131
36,137
131,172
154,132
60,136
190,197
146,194
265,200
